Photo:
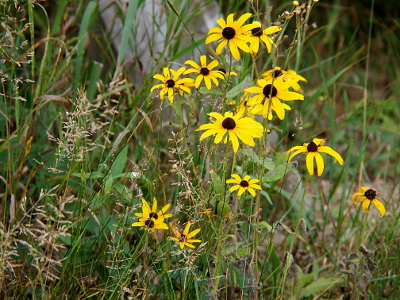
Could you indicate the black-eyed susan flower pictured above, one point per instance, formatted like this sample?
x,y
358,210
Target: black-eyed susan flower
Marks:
x,y
313,150
246,129
289,75
152,212
231,33
150,218
368,196
270,92
172,84
205,72
258,34
245,184
185,238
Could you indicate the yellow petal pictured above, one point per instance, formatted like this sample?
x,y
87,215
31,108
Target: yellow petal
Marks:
x,y
234,50
310,163
320,163
331,152
186,230
366,204
379,205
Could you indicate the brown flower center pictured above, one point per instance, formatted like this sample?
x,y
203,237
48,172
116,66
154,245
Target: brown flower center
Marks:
x,y
204,71
257,31
183,238
228,33
312,147
170,83
153,215
370,194
244,183
229,123
149,223
277,73
270,91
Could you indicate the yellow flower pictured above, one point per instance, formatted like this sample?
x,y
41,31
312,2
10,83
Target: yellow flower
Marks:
x,y
270,92
295,3
205,72
246,129
258,34
170,84
244,184
184,238
150,218
312,151
287,76
368,196
231,33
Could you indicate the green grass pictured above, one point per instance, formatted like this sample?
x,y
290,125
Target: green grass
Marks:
x,y
82,141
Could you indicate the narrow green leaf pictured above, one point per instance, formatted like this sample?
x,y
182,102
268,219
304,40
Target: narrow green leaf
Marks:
x,y
119,163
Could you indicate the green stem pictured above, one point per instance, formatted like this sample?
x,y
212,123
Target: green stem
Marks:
x,y
287,263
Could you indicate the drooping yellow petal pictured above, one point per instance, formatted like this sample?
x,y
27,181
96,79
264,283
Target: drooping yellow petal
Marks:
x,y
357,197
300,150
320,163
310,163
331,152
233,138
234,50
366,204
379,205
221,45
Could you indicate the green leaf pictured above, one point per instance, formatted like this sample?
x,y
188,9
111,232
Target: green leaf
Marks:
x,y
277,173
266,162
236,90
262,225
217,183
320,285
119,163
223,209
266,195
91,175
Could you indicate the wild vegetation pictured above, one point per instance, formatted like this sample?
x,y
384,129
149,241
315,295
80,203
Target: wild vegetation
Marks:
x,y
256,159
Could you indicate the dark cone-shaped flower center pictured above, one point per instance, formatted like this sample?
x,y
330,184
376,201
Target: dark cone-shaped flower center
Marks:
x,y
149,223
244,183
222,70
277,73
312,147
183,238
370,194
170,83
204,71
153,215
229,123
228,33
257,31
270,91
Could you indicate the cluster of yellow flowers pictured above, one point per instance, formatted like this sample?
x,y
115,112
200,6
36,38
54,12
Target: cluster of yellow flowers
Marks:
x,y
273,87
151,220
